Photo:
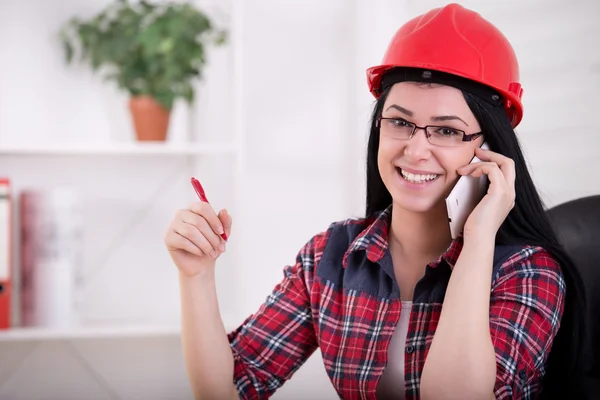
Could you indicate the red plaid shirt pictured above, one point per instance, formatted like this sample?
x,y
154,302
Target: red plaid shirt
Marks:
x,y
341,297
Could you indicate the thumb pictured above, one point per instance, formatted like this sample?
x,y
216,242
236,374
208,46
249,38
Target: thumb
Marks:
x,y
225,219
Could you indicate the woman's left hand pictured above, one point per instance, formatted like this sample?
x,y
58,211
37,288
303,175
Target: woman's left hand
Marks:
x,y
492,210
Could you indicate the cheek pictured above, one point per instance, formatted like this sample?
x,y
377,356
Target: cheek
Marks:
x,y
387,153
385,158
382,164
451,163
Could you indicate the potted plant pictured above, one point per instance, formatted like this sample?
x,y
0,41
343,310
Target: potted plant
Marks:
x,y
154,52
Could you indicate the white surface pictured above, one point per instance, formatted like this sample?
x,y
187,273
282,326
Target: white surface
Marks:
x,y
104,331
124,149
69,333
54,287
52,235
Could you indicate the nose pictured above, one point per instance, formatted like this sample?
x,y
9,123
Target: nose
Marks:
x,y
418,147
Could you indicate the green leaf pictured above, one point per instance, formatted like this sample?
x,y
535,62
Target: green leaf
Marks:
x,y
188,93
152,48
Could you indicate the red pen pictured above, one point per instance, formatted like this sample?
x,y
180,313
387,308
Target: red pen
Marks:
x,y
200,192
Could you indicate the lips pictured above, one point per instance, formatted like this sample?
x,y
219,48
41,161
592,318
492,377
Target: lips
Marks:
x,y
417,177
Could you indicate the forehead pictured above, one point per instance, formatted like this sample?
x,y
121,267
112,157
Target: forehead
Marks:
x,y
427,98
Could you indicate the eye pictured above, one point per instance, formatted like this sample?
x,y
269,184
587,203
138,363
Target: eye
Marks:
x,y
445,131
398,123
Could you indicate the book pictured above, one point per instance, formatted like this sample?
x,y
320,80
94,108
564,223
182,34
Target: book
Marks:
x,y
5,253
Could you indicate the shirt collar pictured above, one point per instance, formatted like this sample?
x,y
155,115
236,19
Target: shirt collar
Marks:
x,y
451,254
374,241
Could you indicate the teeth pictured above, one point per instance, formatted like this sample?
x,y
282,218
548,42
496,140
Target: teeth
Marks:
x,y
417,178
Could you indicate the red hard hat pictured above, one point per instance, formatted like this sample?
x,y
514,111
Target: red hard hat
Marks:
x,y
457,41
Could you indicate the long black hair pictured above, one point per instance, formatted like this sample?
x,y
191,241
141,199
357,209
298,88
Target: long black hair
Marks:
x,y
526,224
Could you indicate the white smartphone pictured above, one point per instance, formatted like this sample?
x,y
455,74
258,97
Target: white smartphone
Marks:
x,y
464,197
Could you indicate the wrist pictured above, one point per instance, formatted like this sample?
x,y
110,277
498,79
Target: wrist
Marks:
x,y
206,277
479,242
479,237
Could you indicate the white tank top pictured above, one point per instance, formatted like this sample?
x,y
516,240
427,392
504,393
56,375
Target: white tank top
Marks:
x,y
391,384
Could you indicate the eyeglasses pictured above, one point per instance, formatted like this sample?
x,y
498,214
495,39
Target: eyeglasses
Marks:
x,y
399,128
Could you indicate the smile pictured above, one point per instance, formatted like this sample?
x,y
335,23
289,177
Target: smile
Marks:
x,y
416,178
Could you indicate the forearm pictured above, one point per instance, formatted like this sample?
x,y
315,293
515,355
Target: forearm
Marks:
x,y
461,362
208,357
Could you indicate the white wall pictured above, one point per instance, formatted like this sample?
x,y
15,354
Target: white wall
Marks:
x,y
302,131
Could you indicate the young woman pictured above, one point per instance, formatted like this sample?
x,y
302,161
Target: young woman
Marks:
x,y
397,307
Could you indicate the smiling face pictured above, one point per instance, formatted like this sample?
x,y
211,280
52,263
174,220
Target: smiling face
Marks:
x,y
418,174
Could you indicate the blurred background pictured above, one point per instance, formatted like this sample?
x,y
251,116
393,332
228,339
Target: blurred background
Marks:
x,y
276,135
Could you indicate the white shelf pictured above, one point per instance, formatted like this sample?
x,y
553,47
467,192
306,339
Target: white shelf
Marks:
x,y
26,334
135,148
101,332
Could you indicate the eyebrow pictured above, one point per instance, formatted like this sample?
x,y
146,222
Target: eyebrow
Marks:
x,y
401,109
436,118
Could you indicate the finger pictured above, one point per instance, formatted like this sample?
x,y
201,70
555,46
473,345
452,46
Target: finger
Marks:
x,y
491,170
226,220
192,233
205,210
177,242
205,229
469,169
498,183
506,164
493,173
209,234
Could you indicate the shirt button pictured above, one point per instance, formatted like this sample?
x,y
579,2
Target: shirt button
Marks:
x,y
522,375
410,349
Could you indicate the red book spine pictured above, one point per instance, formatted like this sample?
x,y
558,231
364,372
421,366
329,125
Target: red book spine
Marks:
x,y
5,253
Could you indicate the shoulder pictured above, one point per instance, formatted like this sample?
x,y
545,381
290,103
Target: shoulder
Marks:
x,y
530,258
341,234
330,245
338,236
533,266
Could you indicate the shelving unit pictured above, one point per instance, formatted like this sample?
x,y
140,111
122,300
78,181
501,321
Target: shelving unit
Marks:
x,y
131,190
193,159
104,169
117,149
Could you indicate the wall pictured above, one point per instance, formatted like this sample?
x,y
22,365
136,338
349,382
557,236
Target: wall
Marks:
x,y
297,108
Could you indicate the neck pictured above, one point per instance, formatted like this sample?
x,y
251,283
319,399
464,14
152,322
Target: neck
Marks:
x,y
420,235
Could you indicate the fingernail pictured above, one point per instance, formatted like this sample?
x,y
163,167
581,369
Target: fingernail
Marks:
x,y
222,247
221,230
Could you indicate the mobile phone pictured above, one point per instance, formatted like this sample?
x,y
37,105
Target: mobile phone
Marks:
x,y
464,197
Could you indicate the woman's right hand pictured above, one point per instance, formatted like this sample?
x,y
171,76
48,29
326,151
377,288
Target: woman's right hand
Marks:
x,y
193,237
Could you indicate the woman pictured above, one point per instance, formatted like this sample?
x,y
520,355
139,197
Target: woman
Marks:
x,y
397,307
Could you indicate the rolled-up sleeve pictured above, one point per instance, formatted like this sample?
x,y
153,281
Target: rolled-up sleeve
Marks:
x,y
275,341
526,307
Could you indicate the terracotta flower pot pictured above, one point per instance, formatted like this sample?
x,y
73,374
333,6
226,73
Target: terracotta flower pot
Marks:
x,y
150,119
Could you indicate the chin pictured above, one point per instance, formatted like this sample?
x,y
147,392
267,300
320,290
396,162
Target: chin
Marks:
x,y
415,205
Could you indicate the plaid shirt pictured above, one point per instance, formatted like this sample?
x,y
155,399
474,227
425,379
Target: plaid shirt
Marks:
x,y
341,297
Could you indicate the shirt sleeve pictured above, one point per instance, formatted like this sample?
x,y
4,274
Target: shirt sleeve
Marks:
x,y
275,341
526,307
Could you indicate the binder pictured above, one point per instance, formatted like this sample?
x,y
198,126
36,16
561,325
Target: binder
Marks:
x,y
5,253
